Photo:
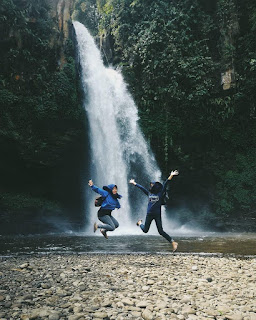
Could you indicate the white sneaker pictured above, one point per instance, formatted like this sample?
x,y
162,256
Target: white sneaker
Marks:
x,y
139,223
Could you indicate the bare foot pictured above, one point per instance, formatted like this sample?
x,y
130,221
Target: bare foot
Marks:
x,y
174,246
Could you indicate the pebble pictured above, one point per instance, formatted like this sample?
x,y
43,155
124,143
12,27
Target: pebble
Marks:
x,y
147,315
142,304
100,315
54,316
118,287
127,302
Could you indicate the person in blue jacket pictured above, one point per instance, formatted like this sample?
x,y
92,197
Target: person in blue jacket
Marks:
x,y
155,199
110,203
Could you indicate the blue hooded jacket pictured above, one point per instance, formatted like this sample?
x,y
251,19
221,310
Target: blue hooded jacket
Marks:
x,y
111,201
155,195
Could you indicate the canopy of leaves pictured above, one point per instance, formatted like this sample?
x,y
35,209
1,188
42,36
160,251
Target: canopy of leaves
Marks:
x,y
41,117
173,54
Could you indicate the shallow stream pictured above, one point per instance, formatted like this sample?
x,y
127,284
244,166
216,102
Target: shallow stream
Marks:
x,y
239,245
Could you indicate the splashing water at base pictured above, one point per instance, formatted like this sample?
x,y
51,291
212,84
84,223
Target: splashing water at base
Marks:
x,y
118,150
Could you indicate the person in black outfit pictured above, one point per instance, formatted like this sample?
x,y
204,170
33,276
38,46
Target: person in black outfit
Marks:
x,y
155,197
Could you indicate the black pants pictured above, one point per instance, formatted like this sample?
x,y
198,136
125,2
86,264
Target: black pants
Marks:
x,y
158,220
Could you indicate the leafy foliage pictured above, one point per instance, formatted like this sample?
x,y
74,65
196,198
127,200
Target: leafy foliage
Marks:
x,y
41,115
173,55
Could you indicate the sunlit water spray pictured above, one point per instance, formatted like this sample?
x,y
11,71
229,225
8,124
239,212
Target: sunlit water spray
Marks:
x,y
118,150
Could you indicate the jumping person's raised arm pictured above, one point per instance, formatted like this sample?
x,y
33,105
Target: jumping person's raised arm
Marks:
x,y
97,190
132,181
172,174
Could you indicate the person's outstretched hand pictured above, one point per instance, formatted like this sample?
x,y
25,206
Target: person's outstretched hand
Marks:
x,y
90,183
132,181
173,173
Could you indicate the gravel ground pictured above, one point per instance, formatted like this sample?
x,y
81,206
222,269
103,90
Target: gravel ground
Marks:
x,y
132,286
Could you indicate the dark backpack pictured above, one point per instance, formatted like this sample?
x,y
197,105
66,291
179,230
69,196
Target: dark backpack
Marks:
x,y
98,201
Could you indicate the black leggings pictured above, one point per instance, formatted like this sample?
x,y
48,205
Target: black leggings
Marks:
x,y
158,220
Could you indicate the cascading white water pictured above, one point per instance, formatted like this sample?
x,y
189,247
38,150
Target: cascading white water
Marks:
x,y
118,150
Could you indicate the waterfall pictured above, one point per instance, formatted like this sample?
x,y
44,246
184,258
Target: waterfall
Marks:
x,y
118,150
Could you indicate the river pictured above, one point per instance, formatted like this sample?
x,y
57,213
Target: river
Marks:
x,y
217,244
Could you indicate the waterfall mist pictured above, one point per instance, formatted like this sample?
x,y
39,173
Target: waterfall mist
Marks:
x,y
118,150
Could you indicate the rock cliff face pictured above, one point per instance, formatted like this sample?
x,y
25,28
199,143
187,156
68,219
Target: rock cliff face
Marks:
x,y
61,10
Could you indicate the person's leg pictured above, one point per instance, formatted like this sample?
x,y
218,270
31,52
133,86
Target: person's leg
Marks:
x,y
158,220
108,224
116,224
145,227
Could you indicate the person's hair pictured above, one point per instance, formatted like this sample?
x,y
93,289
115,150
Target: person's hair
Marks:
x,y
157,186
106,188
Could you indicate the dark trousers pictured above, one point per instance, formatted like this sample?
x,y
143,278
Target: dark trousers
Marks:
x,y
158,220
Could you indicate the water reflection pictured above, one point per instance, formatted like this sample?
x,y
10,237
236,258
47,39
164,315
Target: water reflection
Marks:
x,y
204,244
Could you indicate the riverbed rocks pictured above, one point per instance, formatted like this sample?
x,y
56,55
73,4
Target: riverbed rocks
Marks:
x,y
149,287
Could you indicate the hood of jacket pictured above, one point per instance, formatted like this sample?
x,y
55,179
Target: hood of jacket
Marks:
x,y
156,188
109,189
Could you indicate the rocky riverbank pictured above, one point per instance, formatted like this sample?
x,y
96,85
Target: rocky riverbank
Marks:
x,y
119,287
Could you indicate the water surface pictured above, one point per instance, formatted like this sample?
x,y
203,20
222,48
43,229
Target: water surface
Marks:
x,y
243,245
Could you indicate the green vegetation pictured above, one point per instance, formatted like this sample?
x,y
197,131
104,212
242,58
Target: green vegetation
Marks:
x,y
191,67
41,115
